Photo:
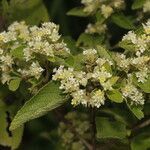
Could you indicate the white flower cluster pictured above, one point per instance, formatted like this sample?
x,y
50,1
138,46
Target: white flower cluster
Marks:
x,y
140,42
141,64
77,82
90,87
106,8
90,5
139,58
135,96
21,46
96,28
34,70
44,40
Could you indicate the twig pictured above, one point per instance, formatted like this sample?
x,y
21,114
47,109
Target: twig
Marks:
x,y
93,132
142,125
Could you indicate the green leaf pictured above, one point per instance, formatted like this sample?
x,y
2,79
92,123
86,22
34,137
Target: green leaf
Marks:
x,y
6,139
103,52
138,4
18,52
113,80
71,44
119,114
122,21
78,11
89,40
75,61
33,12
115,96
127,45
110,129
99,17
141,142
14,84
145,86
137,111
48,98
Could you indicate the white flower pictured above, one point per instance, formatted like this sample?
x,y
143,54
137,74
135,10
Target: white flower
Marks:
x,y
90,5
69,84
81,77
100,74
97,99
122,61
90,55
95,28
139,62
106,10
36,70
118,3
131,92
101,61
107,85
131,36
142,75
147,26
5,78
62,73
89,52
7,60
27,53
79,97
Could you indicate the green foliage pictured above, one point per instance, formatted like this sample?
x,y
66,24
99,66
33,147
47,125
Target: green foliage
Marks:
x,y
145,86
14,84
48,98
137,111
78,11
141,141
104,53
33,12
122,21
138,4
8,138
115,96
18,52
110,129
89,40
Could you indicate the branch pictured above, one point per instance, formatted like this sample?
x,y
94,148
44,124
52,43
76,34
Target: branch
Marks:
x,y
93,132
142,125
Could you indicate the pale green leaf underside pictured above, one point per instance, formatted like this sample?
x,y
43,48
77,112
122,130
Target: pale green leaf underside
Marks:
x,y
5,139
48,98
137,111
115,96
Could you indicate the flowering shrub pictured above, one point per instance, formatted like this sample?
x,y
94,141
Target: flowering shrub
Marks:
x,y
104,87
